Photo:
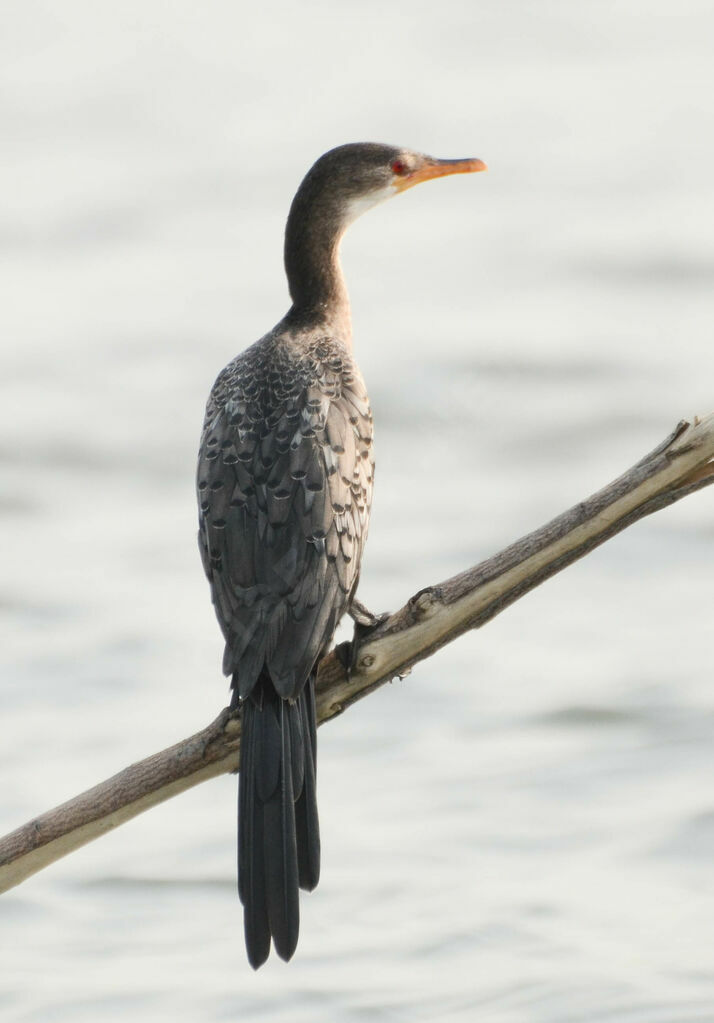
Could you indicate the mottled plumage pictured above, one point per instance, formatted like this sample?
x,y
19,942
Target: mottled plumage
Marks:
x,y
284,487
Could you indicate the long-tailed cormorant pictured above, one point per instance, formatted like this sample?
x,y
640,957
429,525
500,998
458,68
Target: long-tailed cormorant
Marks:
x,y
284,487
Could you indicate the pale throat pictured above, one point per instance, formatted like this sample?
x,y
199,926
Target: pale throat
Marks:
x,y
362,203
341,316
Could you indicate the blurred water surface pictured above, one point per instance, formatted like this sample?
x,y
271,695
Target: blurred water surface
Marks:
x,y
523,829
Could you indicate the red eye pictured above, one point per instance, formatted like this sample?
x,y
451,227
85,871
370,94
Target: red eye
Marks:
x,y
399,167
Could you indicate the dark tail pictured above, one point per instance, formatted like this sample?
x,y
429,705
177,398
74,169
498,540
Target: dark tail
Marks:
x,y
278,829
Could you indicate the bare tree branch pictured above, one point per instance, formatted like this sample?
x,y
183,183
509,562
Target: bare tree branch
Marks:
x,y
435,616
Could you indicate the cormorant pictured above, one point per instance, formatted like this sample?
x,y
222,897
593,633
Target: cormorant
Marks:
x,y
285,478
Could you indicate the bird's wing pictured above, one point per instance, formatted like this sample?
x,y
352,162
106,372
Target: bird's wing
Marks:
x,y
284,489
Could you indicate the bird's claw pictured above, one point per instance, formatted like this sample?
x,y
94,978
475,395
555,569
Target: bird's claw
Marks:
x,y
365,624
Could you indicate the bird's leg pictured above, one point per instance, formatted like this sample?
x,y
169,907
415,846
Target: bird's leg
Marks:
x,y
365,624
362,616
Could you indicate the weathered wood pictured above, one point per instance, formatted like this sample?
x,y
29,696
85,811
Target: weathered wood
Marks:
x,y
435,616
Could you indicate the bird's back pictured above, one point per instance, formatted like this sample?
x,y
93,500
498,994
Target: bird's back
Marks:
x,y
284,487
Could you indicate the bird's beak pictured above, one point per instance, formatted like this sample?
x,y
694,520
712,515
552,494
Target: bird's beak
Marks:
x,y
437,169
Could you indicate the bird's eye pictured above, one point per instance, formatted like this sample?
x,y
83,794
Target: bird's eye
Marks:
x,y
399,167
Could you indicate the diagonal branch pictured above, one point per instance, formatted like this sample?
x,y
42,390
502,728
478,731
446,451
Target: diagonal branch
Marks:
x,y
435,616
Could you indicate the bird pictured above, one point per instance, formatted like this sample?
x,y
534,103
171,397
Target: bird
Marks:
x,y
284,481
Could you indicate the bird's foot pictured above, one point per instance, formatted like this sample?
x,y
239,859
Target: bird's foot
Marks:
x,y
365,624
215,730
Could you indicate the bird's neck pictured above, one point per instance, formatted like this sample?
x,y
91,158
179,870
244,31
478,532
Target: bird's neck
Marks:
x,y
312,264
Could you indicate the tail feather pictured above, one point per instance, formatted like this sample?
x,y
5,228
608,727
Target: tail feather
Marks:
x,y
306,821
278,829
280,848
251,867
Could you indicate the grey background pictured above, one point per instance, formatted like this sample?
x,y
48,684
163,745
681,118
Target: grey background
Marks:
x,y
524,829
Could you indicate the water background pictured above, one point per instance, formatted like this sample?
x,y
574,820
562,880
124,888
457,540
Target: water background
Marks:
x,y
524,829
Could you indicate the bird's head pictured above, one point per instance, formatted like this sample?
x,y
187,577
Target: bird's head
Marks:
x,y
352,178
340,186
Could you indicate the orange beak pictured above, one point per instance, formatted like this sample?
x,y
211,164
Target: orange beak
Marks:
x,y
437,169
